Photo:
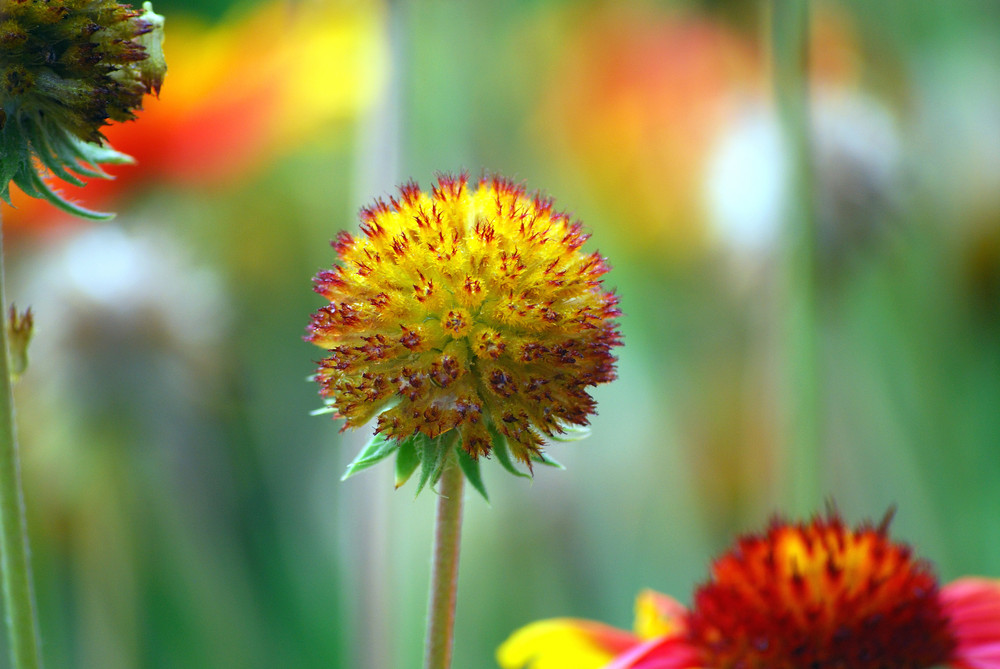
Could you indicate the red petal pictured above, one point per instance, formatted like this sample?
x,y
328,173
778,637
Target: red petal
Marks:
x,y
973,609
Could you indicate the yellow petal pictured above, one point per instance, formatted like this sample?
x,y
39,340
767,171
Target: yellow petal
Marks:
x,y
563,643
657,615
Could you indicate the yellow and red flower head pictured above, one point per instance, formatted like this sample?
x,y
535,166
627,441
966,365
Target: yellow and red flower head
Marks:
x,y
798,596
820,594
469,311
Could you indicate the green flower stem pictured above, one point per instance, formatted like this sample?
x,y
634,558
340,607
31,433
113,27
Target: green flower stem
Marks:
x,y
802,374
19,601
444,576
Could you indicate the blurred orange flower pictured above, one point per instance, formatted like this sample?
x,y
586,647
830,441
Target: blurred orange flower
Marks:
x,y
633,107
240,93
638,101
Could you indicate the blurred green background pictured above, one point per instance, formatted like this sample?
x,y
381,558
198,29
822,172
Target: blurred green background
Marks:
x,y
186,511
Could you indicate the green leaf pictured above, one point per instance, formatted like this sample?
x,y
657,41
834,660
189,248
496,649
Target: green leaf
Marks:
x,y
500,449
545,459
376,450
470,466
571,433
407,460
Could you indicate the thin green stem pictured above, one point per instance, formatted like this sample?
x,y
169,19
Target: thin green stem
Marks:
x,y
802,374
444,575
19,601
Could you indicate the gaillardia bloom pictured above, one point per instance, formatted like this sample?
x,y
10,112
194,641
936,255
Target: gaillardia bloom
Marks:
x,y
67,68
798,596
468,313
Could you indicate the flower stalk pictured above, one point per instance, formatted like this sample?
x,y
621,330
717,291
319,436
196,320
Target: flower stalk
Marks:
x,y
801,373
19,602
439,642
467,323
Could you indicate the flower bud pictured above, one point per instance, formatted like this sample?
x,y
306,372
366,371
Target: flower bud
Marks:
x,y
68,68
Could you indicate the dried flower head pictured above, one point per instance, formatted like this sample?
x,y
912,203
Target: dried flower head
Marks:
x,y
67,68
20,328
820,594
465,312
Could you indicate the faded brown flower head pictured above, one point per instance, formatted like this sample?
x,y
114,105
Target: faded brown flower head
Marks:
x,y
468,308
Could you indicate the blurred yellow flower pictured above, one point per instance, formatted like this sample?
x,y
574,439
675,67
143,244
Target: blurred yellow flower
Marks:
x,y
569,643
467,309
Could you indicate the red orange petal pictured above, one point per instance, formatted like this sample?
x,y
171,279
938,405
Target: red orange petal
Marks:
x,y
670,652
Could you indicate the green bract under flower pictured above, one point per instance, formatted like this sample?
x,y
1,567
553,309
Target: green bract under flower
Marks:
x,y
67,68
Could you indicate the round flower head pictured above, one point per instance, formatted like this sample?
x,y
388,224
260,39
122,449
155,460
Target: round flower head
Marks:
x,y
465,312
821,595
798,596
67,68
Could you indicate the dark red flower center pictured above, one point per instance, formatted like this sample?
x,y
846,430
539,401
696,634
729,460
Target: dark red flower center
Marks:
x,y
820,596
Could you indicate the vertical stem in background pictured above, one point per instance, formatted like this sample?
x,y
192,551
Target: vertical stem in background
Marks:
x,y
801,374
19,601
444,569
376,170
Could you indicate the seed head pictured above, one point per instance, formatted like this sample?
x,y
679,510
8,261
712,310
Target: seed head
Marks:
x,y
470,310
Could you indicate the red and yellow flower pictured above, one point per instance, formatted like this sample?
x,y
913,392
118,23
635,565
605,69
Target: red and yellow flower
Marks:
x,y
799,595
471,309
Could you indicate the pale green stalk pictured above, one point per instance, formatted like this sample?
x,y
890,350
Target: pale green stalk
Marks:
x,y
801,355
444,570
19,601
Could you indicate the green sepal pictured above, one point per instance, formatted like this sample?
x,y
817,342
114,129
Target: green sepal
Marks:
x,y
571,433
376,450
93,155
64,204
407,461
470,466
430,461
501,450
50,157
27,137
545,459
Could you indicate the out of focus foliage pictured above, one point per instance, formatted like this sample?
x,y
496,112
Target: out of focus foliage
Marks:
x,y
187,511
